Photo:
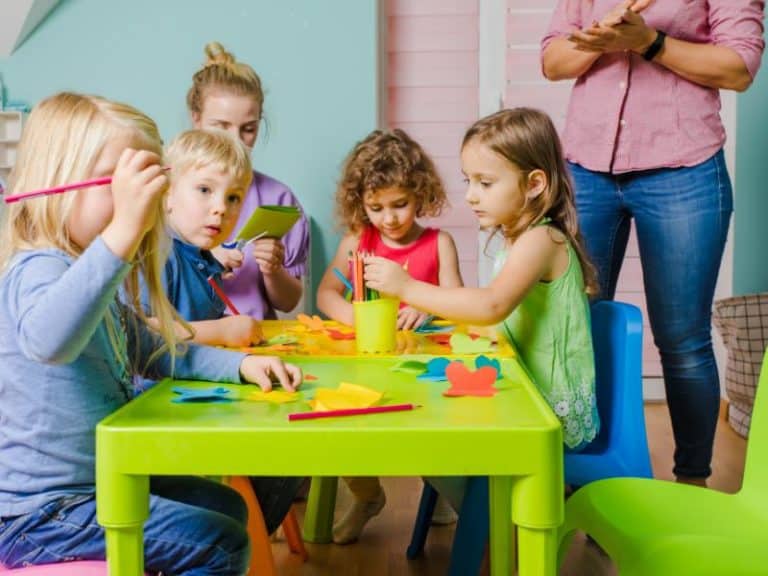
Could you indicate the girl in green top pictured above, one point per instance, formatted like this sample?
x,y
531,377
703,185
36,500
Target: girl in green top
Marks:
x,y
517,184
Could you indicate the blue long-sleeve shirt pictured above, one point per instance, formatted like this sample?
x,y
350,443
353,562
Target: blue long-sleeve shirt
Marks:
x,y
59,375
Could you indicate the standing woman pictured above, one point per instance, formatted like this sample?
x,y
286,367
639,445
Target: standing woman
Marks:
x,y
644,140
227,94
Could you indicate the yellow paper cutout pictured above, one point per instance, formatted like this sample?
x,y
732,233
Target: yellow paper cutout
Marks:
x,y
314,323
273,397
463,344
346,395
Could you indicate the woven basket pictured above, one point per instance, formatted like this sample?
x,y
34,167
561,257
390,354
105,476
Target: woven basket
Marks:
x,y
743,324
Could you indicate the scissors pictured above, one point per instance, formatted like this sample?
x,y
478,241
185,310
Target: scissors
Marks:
x,y
240,244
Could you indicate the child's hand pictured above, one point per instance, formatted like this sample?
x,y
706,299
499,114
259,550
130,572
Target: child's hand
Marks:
x,y
263,370
385,275
239,331
269,253
138,184
409,318
230,258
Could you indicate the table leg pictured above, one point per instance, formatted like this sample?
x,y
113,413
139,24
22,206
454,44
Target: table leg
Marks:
x,y
122,506
502,551
538,551
321,503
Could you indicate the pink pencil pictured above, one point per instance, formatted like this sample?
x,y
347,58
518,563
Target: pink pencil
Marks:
x,y
57,189
64,188
352,412
220,292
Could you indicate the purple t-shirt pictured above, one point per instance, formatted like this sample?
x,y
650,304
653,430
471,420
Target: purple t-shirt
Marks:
x,y
247,289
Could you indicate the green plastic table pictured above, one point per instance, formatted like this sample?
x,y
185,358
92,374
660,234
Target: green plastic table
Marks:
x,y
513,438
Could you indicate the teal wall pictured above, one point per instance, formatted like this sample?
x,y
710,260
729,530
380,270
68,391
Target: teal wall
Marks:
x,y
317,60
750,264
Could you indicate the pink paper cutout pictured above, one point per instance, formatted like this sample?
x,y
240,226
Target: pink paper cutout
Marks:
x,y
465,382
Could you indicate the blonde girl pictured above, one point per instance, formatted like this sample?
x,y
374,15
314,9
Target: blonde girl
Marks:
x,y
69,348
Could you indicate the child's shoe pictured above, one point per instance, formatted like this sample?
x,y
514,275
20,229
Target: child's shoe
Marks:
x,y
349,528
444,513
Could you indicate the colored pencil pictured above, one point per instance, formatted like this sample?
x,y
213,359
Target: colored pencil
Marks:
x,y
63,188
220,292
340,276
352,412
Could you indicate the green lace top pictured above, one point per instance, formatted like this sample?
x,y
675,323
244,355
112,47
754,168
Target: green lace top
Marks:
x,y
551,331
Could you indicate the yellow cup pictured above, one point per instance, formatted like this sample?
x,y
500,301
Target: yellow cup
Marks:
x,y
376,325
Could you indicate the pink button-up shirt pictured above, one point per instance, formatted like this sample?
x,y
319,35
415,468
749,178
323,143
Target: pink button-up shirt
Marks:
x,y
626,114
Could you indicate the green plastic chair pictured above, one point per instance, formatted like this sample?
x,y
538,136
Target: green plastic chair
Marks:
x,y
653,527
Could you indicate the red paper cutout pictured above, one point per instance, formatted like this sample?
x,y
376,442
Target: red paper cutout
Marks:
x,y
464,382
441,339
339,335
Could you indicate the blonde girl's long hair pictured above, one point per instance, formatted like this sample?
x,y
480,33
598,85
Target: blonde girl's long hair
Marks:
x,y
222,70
61,143
527,139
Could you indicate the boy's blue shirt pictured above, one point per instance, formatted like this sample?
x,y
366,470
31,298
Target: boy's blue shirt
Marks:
x,y
186,282
59,375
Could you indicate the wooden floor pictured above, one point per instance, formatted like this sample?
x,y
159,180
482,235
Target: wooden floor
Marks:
x,y
381,550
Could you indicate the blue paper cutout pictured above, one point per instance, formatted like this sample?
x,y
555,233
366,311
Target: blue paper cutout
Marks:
x,y
483,360
215,394
435,370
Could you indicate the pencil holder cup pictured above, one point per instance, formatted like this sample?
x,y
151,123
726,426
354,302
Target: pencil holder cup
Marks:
x,y
376,325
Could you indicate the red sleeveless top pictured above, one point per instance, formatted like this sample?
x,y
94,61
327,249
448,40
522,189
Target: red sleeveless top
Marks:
x,y
422,256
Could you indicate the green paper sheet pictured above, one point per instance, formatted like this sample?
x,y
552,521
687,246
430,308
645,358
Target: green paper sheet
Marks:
x,y
271,221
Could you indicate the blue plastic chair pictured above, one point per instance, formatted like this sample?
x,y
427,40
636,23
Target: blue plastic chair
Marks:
x,y
620,450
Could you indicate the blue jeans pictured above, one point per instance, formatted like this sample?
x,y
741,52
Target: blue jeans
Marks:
x,y
682,217
196,527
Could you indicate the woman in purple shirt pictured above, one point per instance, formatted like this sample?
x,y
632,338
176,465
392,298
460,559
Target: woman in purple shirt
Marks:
x,y
227,95
644,140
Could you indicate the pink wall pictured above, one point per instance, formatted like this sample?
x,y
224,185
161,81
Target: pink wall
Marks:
x,y
433,94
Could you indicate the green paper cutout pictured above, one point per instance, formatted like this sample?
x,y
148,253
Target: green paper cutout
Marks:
x,y
463,344
271,221
410,366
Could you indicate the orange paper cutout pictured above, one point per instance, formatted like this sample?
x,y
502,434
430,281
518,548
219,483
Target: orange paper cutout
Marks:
x,y
464,382
440,339
309,377
314,323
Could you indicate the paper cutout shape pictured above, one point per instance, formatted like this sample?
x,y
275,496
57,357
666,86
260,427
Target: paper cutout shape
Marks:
x,y
481,361
410,366
463,344
270,221
313,323
433,327
339,335
215,394
274,396
440,339
467,383
280,340
309,377
435,370
346,395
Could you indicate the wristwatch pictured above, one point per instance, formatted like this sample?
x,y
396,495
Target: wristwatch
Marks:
x,y
655,46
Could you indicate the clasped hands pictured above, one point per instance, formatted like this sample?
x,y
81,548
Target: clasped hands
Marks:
x,y
621,29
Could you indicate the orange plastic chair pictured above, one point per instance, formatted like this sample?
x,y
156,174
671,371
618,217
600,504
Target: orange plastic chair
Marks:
x,y
262,561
